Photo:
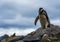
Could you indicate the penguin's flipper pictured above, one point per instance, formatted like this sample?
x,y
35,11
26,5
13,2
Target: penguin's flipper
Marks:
x,y
36,20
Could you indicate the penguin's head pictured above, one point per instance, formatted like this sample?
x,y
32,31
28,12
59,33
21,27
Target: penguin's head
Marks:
x,y
40,10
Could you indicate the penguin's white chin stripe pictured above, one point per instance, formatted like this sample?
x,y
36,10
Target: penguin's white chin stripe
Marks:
x,y
41,9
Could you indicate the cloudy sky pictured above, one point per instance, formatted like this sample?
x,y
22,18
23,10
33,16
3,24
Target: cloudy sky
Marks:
x,y
18,15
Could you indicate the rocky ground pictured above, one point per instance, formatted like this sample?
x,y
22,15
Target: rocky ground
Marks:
x,y
51,34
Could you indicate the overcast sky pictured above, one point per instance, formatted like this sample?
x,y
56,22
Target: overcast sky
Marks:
x,y
20,14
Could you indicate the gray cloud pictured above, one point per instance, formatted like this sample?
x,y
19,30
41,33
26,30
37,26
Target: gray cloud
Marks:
x,y
10,12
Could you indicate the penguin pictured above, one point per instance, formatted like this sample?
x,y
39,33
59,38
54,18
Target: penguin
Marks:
x,y
13,35
43,17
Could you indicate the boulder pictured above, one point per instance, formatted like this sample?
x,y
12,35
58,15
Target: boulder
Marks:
x,y
3,37
50,34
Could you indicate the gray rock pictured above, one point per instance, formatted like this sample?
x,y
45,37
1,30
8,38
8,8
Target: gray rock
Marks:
x,y
17,39
3,37
38,36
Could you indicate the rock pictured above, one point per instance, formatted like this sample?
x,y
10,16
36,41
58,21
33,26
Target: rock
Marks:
x,y
20,41
18,38
51,34
13,38
3,37
32,37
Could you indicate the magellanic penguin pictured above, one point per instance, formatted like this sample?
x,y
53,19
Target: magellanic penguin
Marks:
x,y
43,17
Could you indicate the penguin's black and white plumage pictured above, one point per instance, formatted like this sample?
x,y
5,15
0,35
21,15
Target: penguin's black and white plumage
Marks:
x,y
43,17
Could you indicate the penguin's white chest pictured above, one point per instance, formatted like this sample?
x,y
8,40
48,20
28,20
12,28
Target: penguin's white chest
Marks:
x,y
43,19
